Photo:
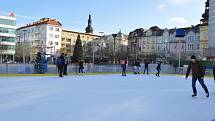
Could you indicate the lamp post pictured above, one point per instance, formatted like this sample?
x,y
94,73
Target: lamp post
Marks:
x,y
19,47
114,48
1,48
95,48
23,47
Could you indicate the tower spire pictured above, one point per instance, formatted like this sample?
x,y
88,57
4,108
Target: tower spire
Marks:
x,y
205,15
89,28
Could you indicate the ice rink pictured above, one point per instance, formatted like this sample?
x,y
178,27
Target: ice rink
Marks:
x,y
104,98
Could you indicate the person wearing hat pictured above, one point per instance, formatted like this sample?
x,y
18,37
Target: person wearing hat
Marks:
x,y
197,74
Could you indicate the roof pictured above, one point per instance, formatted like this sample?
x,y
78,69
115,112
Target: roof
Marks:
x,y
180,33
156,31
12,14
64,30
137,33
43,21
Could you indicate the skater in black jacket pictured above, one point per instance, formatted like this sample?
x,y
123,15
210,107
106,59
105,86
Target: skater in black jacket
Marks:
x,y
65,65
198,73
214,72
81,66
146,66
61,64
158,69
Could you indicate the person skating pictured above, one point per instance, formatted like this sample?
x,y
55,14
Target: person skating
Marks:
x,y
57,65
137,67
124,64
65,65
146,69
61,63
81,66
214,72
197,74
158,69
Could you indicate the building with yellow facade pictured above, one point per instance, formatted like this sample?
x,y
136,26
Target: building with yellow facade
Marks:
x,y
69,38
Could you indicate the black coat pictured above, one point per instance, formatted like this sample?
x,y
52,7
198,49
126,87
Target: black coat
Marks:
x,y
158,67
197,70
146,64
81,65
214,72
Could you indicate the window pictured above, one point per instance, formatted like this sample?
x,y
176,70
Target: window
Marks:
x,y
7,22
57,36
68,40
7,39
50,42
198,46
37,35
57,29
51,28
6,30
51,35
8,47
56,43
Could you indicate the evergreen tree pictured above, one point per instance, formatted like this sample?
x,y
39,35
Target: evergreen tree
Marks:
x,y
78,50
38,58
40,66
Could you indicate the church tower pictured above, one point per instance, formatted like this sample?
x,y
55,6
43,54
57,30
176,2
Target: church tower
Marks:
x,y
205,15
89,28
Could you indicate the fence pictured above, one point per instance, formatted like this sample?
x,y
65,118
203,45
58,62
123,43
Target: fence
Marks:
x,y
88,68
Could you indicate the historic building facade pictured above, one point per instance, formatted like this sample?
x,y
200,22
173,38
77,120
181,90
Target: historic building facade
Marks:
x,y
69,38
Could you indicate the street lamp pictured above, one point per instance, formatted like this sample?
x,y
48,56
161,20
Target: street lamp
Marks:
x,y
1,49
95,48
19,47
23,47
114,47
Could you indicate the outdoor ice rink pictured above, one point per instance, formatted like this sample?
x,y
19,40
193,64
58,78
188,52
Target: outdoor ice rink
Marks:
x,y
104,98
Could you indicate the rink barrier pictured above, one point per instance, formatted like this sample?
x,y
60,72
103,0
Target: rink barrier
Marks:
x,y
90,68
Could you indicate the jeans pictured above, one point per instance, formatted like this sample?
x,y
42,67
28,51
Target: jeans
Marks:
x,y
61,70
146,69
201,81
123,70
65,69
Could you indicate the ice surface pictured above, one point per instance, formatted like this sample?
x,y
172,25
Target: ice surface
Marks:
x,y
104,98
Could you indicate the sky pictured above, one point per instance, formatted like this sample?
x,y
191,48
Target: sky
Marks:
x,y
109,16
